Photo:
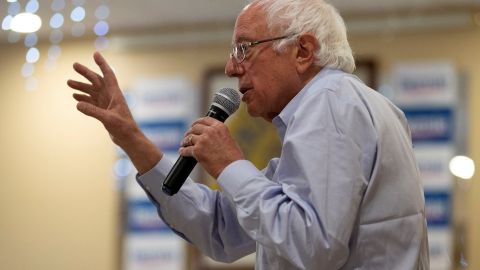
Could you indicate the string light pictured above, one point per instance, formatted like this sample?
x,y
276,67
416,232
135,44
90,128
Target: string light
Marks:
x,y
32,6
33,55
78,14
14,8
56,36
101,28
78,29
25,23
31,40
27,70
22,22
13,37
56,21
6,22
57,5
102,12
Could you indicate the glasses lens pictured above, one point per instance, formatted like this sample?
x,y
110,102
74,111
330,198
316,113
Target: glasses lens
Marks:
x,y
239,52
242,51
235,52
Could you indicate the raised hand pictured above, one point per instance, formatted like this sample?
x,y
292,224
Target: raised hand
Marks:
x,y
103,100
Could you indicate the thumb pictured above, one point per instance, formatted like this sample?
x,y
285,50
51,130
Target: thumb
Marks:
x,y
91,110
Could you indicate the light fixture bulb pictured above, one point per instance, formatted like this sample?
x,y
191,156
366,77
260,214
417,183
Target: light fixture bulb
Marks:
x,y
25,23
462,167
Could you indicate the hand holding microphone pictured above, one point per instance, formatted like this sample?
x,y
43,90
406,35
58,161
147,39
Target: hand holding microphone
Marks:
x,y
202,142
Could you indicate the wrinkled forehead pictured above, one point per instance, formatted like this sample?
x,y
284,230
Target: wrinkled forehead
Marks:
x,y
251,24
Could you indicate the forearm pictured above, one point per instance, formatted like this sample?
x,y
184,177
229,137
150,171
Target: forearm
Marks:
x,y
143,153
202,216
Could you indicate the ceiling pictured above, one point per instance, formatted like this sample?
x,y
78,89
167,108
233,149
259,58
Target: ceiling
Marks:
x,y
128,16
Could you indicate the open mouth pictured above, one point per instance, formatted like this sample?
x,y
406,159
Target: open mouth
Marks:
x,y
243,90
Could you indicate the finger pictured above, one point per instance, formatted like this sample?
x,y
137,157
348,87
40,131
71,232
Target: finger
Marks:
x,y
84,98
207,121
91,76
91,110
202,126
107,71
187,141
187,151
84,87
197,129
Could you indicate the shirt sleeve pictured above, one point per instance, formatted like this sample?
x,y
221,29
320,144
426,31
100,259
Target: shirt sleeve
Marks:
x,y
204,217
307,213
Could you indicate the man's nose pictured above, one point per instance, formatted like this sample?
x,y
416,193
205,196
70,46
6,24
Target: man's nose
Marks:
x,y
232,68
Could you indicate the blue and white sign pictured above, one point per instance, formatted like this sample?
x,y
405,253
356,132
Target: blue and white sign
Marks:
x,y
164,109
440,241
165,134
438,206
431,124
153,252
163,99
428,94
433,160
430,83
143,218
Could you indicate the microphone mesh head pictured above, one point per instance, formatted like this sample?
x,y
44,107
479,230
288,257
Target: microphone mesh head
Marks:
x,y
227,99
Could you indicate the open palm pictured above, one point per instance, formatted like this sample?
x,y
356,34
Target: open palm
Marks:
x,y
103,99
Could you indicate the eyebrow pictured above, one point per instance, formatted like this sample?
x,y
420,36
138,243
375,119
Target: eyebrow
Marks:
x,y
241,38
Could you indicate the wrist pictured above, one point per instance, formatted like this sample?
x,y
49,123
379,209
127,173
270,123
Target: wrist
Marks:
x,y
143,153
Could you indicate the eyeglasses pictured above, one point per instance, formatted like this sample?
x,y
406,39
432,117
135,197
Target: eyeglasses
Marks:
x,y
240,50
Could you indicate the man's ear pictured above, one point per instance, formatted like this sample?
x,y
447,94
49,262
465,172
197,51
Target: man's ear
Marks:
x,y
307,45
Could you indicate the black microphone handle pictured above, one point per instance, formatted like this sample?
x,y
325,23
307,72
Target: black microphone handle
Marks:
x,y
178,174
184,165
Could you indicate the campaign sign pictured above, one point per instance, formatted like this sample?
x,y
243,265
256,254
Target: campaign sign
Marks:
x,y
153,252
430,124
438,208
419,84
164,107
162,98
433,161
440,247
143,217
165,134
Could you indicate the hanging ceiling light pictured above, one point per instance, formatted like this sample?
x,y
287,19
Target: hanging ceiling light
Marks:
x,y
25,23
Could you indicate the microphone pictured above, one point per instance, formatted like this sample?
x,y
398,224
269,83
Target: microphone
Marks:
x,y
225,102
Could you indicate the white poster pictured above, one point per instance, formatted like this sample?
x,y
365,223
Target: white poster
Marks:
x,y
427,83
154,252
441,245
433,160
164,109
427,92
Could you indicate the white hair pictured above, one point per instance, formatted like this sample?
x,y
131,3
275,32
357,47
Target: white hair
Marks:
x,y
317,17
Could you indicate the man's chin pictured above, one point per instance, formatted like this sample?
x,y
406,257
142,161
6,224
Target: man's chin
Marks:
x,y
255,113
251,110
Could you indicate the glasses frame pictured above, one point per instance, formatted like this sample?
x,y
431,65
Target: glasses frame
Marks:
x,y
241,48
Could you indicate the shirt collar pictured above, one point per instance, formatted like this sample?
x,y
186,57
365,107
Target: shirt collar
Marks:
x,y
281,121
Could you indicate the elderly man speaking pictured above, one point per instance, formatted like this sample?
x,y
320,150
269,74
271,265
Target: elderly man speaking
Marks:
x,y
345,192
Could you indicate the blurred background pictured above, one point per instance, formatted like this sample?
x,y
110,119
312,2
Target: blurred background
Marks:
x,y
68,198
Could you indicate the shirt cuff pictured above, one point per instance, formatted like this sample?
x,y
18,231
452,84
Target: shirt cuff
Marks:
x,y
236,175
152,180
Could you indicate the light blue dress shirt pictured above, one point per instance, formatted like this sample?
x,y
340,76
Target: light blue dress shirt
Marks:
x,y
344,194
